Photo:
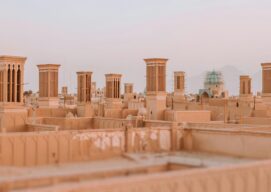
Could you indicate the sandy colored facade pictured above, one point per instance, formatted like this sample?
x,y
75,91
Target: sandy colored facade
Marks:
x,y
84,94
245,86
113,86
129,92
48,85
12,113
156,87
113,102
127,141
12,79
64,90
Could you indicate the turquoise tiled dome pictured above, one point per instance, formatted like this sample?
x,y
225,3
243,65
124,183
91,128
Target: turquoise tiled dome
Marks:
x,y
213,77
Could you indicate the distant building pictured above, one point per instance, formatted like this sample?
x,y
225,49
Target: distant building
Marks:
x,y
213,85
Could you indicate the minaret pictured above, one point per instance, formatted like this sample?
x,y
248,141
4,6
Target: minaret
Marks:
x,y
156,87
48,85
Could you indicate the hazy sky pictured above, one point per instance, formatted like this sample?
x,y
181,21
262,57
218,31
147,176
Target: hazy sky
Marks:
x,y
107,36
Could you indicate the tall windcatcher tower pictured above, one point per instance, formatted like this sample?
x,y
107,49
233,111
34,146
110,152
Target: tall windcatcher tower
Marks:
x,y
128,91
11,79
113,91
84,87
266,81
13,114
113,86
156,87
179,83
245,86
48,85
84,83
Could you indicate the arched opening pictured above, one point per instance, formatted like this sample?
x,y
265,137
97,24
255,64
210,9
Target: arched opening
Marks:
x,y
9,81
13,85
205,97
1,86
249,86
19,85
244,88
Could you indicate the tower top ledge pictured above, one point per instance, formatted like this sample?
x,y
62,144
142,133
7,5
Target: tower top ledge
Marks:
x,y
9,58
113,75
266,65
156,60
48,66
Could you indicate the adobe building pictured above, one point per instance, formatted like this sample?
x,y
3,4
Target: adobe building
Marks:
x,y
113,102
266,82
213,87
245,87
113,88
84,87
12,112
128,91
156,87
84,94
93,89
11,79
48,85
64,90
57,150
179,89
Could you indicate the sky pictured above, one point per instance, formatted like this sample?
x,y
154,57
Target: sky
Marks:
x,y
114,36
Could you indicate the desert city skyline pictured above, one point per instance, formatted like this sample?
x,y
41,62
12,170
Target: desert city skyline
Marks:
x,y
115,37
135,96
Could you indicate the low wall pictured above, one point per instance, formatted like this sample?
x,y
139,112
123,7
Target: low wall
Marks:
x,y
113,113
41,127
256,120
103,122
119,113
228,142
50,112
218,109
78,123
222,125
149,139
81,123
155,123
188,116
252,177
30,149
13,121
127,112
53,147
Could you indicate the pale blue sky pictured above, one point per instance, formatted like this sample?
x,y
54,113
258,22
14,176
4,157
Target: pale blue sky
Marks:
x,y
115,35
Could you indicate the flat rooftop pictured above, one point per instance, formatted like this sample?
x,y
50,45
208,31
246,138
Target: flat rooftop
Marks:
x,y
123,166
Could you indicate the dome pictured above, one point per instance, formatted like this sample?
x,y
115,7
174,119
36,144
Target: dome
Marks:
x,y
214,77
